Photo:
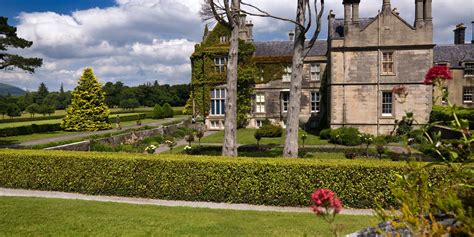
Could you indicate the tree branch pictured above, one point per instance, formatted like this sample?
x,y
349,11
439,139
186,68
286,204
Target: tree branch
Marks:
x,y
318,25
266,14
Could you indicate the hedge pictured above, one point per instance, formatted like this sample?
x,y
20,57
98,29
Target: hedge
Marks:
x,y
40,128
278,181
443,114
37,118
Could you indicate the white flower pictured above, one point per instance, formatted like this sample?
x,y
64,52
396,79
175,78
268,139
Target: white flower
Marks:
x,y
438,144
187,148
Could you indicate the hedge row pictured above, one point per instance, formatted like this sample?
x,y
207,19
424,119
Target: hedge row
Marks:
x,y
39,128
282,182
37,118
443,114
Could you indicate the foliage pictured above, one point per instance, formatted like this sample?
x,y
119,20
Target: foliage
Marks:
x,y
129,104
9,39
29,129
244,94
158,112
167,111
33,109
13,110
282,182
270,130
190,138
404,126
437,75
87,111
444,115
346,136
325,134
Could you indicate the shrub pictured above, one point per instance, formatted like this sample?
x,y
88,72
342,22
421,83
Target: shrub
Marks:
x,y
325,134
282,182
444,115
29,129
167,111
270,130
346,136
158,112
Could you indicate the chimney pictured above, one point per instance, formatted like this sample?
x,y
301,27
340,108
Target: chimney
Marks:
x,y
291,35
355,12
427,11
472,29
249,26
331,18
419,9
459,34
347,11
386,6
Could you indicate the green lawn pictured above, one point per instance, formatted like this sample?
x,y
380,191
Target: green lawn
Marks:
x,y
55,217
49,121
246,136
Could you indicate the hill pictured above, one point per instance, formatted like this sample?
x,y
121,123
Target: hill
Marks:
x,y
13,90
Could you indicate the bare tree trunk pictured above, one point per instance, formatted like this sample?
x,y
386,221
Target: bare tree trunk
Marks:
x,y
292,124
230,125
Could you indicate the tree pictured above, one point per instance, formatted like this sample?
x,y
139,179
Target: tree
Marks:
x,y
131,104
9,39
33,109
3,108
13,110
230,9
87,111
168,111
300,50
41,93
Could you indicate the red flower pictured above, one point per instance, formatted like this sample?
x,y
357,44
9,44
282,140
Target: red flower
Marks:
x,y
438,74
325,200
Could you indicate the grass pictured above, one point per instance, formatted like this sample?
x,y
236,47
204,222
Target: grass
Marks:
x,y
48,121
55,217
246,136
63,112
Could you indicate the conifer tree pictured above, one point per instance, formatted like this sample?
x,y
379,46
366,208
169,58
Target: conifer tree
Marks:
x,y
87,111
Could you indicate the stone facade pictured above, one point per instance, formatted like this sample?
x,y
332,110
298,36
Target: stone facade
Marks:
x,y
358,67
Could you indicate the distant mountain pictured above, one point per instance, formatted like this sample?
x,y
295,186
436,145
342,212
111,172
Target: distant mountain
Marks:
x,y
13,90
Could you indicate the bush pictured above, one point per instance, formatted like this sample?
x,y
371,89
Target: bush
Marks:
x,y
346,136
444,115
325,134
29,129
281,182
158,112
270,130
167,111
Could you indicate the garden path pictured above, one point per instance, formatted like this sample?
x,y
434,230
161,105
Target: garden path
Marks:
x,y
87,134
157,202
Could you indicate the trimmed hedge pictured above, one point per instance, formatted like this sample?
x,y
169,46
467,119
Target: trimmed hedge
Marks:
x,y
443,114
282,182
40,128
37,118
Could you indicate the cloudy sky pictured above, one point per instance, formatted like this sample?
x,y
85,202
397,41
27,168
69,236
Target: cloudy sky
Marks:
x,y
138,41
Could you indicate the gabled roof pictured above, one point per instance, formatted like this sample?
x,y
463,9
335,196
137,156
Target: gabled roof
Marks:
x,y
454,54
338,26
285,48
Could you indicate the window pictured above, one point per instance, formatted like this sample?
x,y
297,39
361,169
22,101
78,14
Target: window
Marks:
x,y
215,124
285,98
467,94
260,103
315,72
444,92
315,101
287,74
218,102
387,63
259,123
469,69
223,39
387,104
220,64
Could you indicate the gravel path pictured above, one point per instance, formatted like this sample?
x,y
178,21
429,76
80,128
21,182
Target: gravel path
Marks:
x,y
143,201
87,134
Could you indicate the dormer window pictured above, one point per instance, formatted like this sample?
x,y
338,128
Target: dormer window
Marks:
x,y
223,39
220,64
469,69
287,74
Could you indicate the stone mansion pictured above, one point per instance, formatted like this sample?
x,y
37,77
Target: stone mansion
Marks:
x,y
352,78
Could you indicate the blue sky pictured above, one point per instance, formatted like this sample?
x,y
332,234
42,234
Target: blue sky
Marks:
x,y
138,41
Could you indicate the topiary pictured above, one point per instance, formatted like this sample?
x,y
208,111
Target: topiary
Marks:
x,y
158,112
167,111
346,136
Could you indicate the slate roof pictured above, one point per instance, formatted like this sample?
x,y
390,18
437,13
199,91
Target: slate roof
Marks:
x,y
338,26
454,54
285,48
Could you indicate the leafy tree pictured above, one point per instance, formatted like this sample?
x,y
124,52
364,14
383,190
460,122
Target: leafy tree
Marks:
x,y
9,39
131,104
87,111
158,112
33,109
41,93
3,107
13,110
167,111
46,109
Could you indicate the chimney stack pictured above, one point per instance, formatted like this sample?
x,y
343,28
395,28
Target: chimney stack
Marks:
x,y
386,6
419,11
347,11
460,34
291,35
355,11
472,29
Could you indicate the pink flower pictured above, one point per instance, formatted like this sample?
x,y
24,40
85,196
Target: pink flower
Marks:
x,y
438,74
324,201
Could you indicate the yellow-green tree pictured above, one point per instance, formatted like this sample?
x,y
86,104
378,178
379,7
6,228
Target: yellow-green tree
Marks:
x,y
88,110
